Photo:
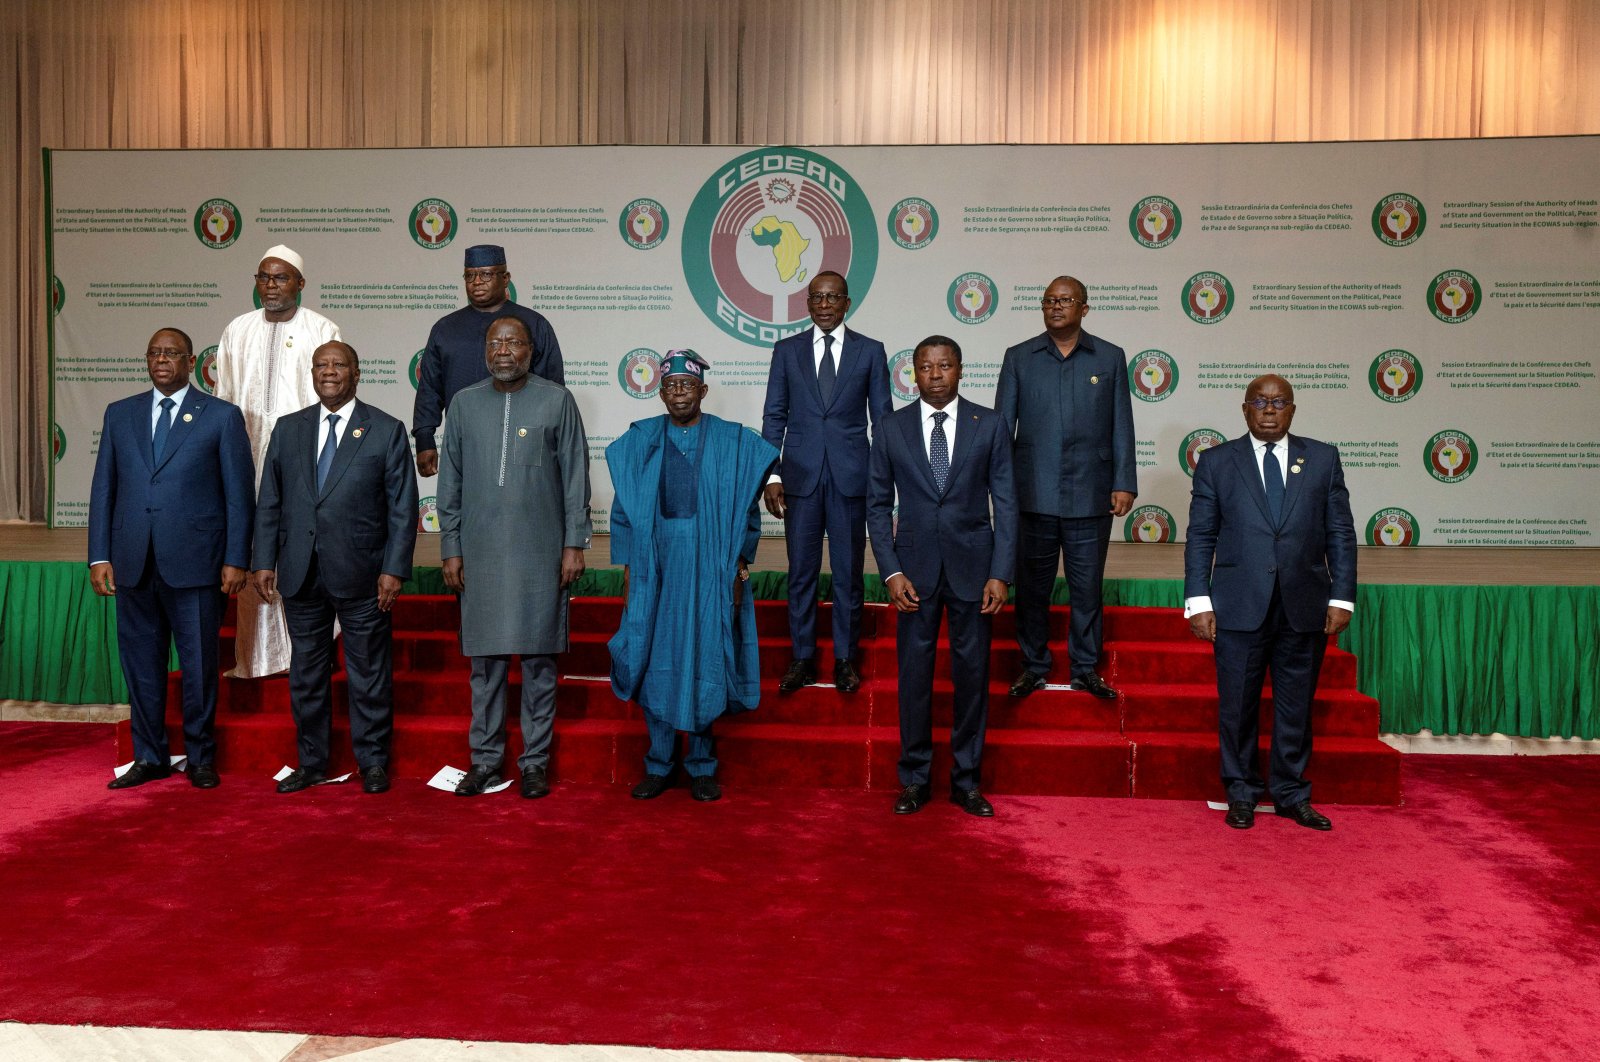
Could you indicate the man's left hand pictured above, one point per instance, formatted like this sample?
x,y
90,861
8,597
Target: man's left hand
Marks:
x,y
572,566
388,590
233,579
1338,620
994,596
1121,502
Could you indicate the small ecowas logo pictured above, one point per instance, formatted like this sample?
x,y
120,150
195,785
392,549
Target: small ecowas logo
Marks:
x,y
217,223
1155,222
1148,523
1453,296
913,223
414,372
58,296
639,372
1152,376
971,299
903,376
428,515
1398,219
1207,297
761,227
1392,527
1451,456
205,370
1196,443
643,224
1395,376
58,442
433,224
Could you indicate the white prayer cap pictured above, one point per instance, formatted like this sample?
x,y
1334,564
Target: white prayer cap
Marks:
x,y
284,254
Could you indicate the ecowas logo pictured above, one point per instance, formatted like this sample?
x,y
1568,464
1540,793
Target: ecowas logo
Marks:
x,y
643,224
428,515
1207,298
1155,222
762,227
1152,376
971,298
913,223
58,442
1398,219
639,372
1395,376
1392,527
1453,296
903,376
414,371
1451,456
58,296
205,370
217,224
1196,443
1149,523
433,224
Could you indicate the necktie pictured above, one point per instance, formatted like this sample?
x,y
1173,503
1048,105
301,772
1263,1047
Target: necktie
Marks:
x,y
939,452
825,371
325,458
163,426
1272,479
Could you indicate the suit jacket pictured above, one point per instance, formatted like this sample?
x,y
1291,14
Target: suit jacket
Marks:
x,y
1235,554
1073,427
362,524
193,508
950,532
795,421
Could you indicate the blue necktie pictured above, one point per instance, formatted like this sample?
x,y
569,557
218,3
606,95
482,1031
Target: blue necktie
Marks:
x,y
325,458
825,371
1272,479
163,426
939,451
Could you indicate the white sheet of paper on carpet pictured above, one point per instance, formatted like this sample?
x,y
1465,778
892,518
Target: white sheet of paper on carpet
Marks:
x,y
178,763
285,771
449,777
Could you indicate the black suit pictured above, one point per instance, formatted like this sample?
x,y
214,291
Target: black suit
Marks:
x,y
1270,582
946,545
329,548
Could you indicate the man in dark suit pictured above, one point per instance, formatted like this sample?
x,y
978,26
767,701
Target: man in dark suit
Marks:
x,y
1064,396
335,528
169,537
949,461
1269,573
823,385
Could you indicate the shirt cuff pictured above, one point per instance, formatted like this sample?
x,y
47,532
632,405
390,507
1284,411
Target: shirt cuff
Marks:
x,y
891,575
774,478
93,563
1348,606
1195,605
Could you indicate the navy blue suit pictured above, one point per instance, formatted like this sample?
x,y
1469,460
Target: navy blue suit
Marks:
x,y
168,527
328,548
948,546
824,472
1269,584
1072,420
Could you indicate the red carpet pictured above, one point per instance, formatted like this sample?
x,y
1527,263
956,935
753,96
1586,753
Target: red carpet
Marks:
x,y
1463,924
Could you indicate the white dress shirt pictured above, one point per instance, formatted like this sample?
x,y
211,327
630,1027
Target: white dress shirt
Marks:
x,y
177,405
926,412
343,413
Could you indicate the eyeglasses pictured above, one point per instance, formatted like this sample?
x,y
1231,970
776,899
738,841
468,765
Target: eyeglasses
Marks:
x,y
826,298
483,275
165,355
1064,300
507,344
1261,405
680,387
274,280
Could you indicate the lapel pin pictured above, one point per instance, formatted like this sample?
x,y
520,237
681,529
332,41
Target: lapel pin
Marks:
x,y
187,417
1094,379
1295,468
289,342
357,433
521,432
1299,460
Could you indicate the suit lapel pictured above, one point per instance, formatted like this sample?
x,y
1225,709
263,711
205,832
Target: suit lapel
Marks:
x,y
1295,453
848,346
1244,459
807,353
355,434
963,443
910,420
184,418
144,432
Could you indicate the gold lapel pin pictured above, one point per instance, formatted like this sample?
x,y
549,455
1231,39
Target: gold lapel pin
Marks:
x,y
357,433
187,417
521,432
1295,468
1094,379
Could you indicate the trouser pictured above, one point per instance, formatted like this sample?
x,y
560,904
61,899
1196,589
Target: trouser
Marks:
x,y
152,617
844,520
1081,543
488,733
916,638
699,759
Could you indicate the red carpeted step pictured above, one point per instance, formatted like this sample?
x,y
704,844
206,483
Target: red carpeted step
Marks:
x,y
1193,661
1021,762
1193,707
1185,766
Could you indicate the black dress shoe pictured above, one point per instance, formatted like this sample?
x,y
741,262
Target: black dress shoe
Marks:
x,y
535,784
204,776
800,673
375,779
1241,814
911,799
652,786
705,788
477,780
1026,683
297,780
139,774
1305,815
972,802
846,677
1094,684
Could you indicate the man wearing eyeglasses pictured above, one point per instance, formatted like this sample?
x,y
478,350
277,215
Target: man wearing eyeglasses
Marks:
x,y
1269,574
264,367
453,358
1064,395
824,384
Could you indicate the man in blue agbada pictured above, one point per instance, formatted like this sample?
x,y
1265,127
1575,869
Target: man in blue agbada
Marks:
x,y
684,527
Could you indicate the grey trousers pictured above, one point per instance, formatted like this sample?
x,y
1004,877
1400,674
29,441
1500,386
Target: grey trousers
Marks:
x,y
488,732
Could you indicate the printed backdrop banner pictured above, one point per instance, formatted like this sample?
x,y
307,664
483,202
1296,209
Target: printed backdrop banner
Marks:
x,y
1433,303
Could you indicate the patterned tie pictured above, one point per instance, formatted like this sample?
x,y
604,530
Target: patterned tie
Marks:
x,y
825,371
325,458
163,426
1272,479
939,451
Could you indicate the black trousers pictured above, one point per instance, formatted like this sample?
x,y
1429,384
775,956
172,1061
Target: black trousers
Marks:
x,y
916,638
151,618
1081,543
